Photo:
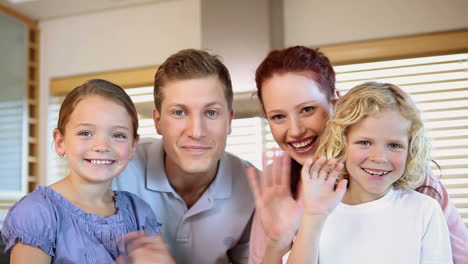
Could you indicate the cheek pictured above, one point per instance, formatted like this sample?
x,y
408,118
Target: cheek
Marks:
x,y
399,160
355,156
278,132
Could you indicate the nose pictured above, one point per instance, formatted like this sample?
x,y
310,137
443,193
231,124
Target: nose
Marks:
x,y
379,154
195,127
296,129
100,144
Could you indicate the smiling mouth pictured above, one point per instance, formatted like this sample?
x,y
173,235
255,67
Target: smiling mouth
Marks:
x,y
100,162
302,145
378,173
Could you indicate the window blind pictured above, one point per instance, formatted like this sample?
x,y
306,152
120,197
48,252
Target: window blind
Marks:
x,y
439,86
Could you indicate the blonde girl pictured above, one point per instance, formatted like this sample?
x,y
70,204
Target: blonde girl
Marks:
x,y
378,134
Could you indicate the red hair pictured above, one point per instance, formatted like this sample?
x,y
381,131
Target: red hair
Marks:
x,y
297,59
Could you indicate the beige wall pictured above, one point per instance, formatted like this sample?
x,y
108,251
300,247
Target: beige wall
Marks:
x,y
239,32
317,22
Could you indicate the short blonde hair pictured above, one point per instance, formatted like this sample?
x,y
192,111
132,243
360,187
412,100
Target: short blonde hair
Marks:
x,y
367,99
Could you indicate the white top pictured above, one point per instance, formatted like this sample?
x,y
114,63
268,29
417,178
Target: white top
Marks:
x,y
216,228
402,227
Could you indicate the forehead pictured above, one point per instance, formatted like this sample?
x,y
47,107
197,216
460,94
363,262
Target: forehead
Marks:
x,y
100,110
198,91
389,124
291,89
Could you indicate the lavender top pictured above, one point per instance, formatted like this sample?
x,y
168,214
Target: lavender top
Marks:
x,y
45,219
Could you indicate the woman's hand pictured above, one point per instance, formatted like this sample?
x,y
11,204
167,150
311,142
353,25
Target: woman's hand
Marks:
x,y
142,248
318,186
279,212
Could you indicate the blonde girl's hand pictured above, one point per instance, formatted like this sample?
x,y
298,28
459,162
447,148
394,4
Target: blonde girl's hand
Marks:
x,y
142,248
320,190
279,212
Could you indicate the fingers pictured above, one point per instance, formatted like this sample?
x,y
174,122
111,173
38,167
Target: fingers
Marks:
x,y
284,173
340,189
317,167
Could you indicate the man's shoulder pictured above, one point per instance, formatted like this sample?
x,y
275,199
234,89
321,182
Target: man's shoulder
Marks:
x,y
233,159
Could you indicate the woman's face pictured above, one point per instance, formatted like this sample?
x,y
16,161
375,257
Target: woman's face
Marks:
x,y
296,110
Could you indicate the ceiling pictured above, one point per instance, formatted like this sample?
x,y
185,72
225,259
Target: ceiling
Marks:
x,y
50,9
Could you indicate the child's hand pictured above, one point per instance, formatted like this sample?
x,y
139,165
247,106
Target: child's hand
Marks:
x,y
279,212
318,186
142,248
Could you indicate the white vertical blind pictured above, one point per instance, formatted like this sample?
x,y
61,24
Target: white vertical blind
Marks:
x,y
13,110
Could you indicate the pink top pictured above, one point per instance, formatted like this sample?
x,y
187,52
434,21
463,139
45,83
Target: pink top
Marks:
x,y
457,229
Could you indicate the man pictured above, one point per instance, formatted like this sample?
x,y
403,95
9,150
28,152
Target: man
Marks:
x,y
199,192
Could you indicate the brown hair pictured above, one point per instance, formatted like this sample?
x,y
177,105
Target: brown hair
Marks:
x,y
297,59
98,87
191,64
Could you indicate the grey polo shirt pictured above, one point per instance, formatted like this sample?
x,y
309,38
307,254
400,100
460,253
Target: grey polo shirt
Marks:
x,y
216,229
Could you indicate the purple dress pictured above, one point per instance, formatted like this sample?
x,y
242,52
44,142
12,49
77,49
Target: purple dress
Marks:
x,y
45,219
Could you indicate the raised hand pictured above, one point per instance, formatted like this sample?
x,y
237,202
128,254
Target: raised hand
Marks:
x,y
318,186
141,248
279,212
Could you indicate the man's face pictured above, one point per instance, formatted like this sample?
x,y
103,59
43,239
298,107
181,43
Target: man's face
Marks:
x,y
194,123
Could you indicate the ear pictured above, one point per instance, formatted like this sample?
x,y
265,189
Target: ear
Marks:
x,y
231,116
59,142
336,96
134,145
157,119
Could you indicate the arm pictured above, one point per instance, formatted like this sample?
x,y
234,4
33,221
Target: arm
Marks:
x,y
457,229
435,245
277,214
25,254
320,199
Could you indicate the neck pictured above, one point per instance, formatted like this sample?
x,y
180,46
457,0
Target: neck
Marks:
x,y
190,186
85,192
355,195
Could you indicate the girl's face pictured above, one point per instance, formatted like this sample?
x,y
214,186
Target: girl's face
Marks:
x,y
296,110
376,155
98,140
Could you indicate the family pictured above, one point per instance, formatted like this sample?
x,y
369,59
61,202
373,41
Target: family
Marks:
x,y
351,184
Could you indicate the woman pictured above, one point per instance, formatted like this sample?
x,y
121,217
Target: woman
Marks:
x,y
296,87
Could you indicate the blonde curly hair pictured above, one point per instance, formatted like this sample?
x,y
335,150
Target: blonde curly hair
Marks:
x,y
367,99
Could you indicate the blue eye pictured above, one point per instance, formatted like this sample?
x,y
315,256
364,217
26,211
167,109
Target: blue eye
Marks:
x,y
364,143
85,133
212,113
394,146
179,112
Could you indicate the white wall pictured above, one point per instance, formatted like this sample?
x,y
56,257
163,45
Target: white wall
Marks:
x,y
111,40
318,22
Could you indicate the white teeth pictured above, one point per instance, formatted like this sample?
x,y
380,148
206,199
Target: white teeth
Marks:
x,y
376,173
101,162
302,144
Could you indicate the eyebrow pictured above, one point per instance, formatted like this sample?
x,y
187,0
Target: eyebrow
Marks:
x,y
93,125
207,105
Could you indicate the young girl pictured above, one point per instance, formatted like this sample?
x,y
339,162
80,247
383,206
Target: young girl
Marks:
x,y
378,133
79,219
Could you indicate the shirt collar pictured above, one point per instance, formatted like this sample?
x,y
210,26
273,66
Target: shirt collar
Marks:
x,y
156,178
